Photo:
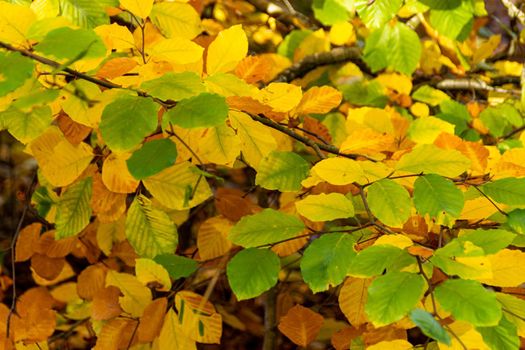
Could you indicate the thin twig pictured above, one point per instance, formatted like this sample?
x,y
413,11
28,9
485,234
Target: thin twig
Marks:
x,y
133,334
490,200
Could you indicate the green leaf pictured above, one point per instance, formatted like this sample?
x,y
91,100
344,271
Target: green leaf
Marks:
x,y
152,158
509,190
463,259
500,119
282,171
432,159
392,296
377,13
435,195
291,42
26,126
266,227
127,121
329,12
86,13
149,230
429,326
74,209
15,70
252,271
389,202
504,336
469,301
491,241
174,86
516,221
455,113
326,261
202,111
514,309
81,43
454,20
325,207
374,260
430,95
176,265
393,46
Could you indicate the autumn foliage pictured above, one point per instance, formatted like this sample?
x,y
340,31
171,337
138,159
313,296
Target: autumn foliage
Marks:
x,y
218,174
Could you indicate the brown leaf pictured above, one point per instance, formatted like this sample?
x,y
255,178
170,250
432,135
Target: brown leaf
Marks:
x,y
152,320
46,267
26,242
106,304
73,131
420,251
301,325
111,334
376,335
52,248
342,339
37,319
91,281
231,204
124,251
109,206
315,127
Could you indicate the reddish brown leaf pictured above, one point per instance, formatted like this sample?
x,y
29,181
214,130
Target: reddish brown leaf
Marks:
x,y
91,281
152,320
301,325
46,267
106,304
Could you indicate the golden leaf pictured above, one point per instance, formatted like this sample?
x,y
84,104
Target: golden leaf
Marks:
x,y
212,237
352,299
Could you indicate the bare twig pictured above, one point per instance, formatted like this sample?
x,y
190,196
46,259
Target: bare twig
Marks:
x,y
514,11
286,15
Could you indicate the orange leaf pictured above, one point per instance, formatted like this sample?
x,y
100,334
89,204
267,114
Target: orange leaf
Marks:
x,y
116,67
108,205
46,267
301,325
420,251
253,69
352,299
116,176
26,242
319,100
152,320
47,245
106,304
212,238
315,127
73,131
342,339
37,320
91,281
112,333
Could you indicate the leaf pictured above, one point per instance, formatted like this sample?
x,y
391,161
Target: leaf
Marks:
x,y
430,95
227,50
435,195
140,8
268,226
319,100
329,12
453,21
73,209
507,268
29,125
171,335
378,13
282,171
91,281
392,296
82,44
148,271
469,301
212,240
352,300
394,46
153,157
325,207
16,69
339,171
177,266
252,271
514,308
117,38
28,237
491,241
149,230
463,259
431,159
301,325
178,187
204,110
135,295
116,176
390,202
373,260
327,260
176,50
427,129
281,97
504,336
198,318
174,86
220,145
429,326
175,19
84,13
152,319
15,21
509,190
256,140
127,120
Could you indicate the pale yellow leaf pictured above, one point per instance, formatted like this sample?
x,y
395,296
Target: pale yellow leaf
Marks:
x,y
176,50
396,240
227,50
426,130
198,318
148,271
470,338
338,171
140,8
135,297
176,20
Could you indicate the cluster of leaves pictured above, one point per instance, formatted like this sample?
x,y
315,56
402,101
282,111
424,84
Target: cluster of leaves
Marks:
x,y
167,157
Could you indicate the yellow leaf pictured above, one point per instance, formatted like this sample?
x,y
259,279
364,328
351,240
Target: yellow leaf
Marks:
x,y
338,171
140,8
486,49
116,37
212,238
366,141
400,241
507,268
511,163
15,21
477,209
352,300
398,344
281,97
256,139
227,50
60,162
375,118
108,233
431,159
176,50
319,100
342,33
179,186
220,145
396,81
171,335
148,271
301,325
470,338
507,68
136,295
198,318
426,130
420,110
116,176
176,20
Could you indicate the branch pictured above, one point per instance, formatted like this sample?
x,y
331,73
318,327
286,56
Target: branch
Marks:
x,y
514,11
288,16
337,55
270,333
472,84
